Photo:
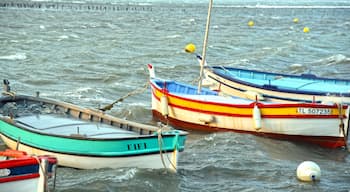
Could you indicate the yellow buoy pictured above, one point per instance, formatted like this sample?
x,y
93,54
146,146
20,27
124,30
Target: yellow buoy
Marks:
x,y
306,30
190,48
296,20
251,23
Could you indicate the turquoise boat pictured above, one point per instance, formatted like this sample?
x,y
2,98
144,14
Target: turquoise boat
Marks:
x,y
277,87
85,138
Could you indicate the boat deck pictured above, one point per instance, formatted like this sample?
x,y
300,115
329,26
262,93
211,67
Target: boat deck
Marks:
x,y
219,99
206,95
299,84
303,82
65,126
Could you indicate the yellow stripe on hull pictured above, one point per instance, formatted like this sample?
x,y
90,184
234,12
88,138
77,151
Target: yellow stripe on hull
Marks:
x,y
287,126
282,110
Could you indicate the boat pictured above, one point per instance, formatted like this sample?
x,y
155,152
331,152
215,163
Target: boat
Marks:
x,y
21,172
277,87
181,106
269,86
85,138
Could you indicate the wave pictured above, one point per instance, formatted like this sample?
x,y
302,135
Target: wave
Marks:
x,y
17,56
332,60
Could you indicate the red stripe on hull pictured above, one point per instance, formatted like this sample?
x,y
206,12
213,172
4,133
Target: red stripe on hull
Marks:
x,y
19,162
19,177
251,106
323,141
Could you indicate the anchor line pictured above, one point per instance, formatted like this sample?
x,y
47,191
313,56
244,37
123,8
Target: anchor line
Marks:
x,y
346,136
46,187
341,125
160,141
134,92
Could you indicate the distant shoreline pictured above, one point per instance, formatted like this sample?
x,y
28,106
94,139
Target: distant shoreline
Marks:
x,y
144,6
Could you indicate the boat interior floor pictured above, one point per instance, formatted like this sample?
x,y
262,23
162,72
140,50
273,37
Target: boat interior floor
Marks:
x,y
67,126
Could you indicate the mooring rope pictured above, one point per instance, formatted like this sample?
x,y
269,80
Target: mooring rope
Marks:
x,y
341,124
160,142
44,171
134,92
175,148
347,128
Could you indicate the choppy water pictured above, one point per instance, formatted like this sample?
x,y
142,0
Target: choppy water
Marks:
x,y
92,57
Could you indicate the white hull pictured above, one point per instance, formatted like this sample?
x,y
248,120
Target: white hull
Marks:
x,y
153,161
284,126
27,185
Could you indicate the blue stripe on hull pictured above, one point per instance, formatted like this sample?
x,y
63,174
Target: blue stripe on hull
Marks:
x,y
315,85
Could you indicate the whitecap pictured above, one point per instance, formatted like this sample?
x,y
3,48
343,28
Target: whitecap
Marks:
x,y
276,17
63,37
138,104
296,65
244,60
210,137
84,89
17,56
267,48
128,174
173,36
335,59
74,36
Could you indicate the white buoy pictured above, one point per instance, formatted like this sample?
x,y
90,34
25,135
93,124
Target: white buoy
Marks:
x,y
257,117
308,171
164,105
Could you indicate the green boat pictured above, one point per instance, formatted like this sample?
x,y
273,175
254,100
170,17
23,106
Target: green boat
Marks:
x,y
84,138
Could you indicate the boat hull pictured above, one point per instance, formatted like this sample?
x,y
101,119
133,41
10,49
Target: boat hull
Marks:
x,y
153,161
323,141
228,84
86,139
25,185
25,173
283,121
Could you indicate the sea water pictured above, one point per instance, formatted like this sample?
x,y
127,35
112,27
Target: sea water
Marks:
x,y
94,56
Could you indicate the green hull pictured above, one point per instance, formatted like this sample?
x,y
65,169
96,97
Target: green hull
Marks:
x,y
140,145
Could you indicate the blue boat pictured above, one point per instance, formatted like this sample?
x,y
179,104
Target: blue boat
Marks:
x,y
278,87
85,138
